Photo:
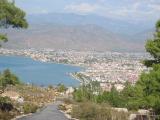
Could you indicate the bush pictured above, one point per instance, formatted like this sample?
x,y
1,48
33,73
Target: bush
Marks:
x,y
93,111
62,107
29,108
5,108
8,78
68,101
5,104
61,88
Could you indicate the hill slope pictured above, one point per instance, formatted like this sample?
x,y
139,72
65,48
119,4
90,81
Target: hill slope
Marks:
x,y
70,31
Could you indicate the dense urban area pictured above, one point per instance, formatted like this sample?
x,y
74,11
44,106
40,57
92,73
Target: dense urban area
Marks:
x,y
108,68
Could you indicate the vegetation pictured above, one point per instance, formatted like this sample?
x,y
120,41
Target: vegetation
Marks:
x,y
145,94
5,104
150,82
7,110
30,108
11,16
32,97
153,47
87,92
8,78
92,111
61,88
35,94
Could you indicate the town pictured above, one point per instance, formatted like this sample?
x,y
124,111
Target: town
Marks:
x,y
108,68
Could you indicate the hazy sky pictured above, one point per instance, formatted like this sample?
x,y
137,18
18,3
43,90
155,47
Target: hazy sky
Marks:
x,y
137,10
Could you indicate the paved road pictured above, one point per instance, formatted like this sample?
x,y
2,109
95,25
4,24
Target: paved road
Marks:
x,y
49,113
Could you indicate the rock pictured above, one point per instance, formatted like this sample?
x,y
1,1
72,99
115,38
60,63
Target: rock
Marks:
x,y
132,116
70,90
121,109
20,100
11,94
143,112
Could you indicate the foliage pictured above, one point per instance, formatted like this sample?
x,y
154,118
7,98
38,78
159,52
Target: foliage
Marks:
x,y
93,111
149,83
8,78
3,37
62,107
29,108
113,97
5,100
11,16
50,87
145,94
5,104
61,88
153,45
87,92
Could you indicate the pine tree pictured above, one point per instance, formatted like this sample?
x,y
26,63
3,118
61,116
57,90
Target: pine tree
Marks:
x,y
153,46
11,16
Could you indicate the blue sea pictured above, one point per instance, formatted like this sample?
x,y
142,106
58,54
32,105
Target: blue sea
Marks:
x,y
39,73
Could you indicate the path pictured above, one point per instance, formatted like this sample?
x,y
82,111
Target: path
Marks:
x,y
51,112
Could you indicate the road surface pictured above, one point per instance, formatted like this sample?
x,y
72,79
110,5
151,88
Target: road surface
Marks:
x,y
51,112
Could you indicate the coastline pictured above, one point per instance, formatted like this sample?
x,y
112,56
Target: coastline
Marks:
x,y
71,74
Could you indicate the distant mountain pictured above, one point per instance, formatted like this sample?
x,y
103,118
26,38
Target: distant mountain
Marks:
x,y
79,32
113,25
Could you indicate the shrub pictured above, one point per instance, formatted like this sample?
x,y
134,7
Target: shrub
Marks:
x,y
50,86
62,107
93,111
5,104
29,108
68,101
61,88
8,78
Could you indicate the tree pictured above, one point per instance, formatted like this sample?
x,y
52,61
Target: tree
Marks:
x,y
149,82
153,45
11,16
61,88
8,78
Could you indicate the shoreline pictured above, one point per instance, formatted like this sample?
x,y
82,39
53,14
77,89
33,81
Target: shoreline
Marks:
x,y
71,74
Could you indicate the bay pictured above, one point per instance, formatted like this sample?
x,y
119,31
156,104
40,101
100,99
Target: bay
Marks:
x,y
39,73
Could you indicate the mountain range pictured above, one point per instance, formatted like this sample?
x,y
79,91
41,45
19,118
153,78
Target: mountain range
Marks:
x,y
80,32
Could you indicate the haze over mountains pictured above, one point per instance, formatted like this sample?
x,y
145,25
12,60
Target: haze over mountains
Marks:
x,y
80,32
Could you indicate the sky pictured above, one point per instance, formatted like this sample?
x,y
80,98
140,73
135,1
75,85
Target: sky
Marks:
x,y
135,10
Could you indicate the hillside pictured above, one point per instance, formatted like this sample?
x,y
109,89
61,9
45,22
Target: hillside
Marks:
x,y
79,32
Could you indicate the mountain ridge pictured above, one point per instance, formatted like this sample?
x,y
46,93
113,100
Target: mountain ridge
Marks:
x,y
51,32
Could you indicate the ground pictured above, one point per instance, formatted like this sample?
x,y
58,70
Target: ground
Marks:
x,y
51,112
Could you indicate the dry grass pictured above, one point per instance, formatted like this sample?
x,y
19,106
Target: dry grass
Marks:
x,y
34,98
36,95
92,111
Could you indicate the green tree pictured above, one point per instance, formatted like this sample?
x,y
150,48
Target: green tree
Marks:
x,y
61,88
153,46
149,83
7,78
78,95
11,16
